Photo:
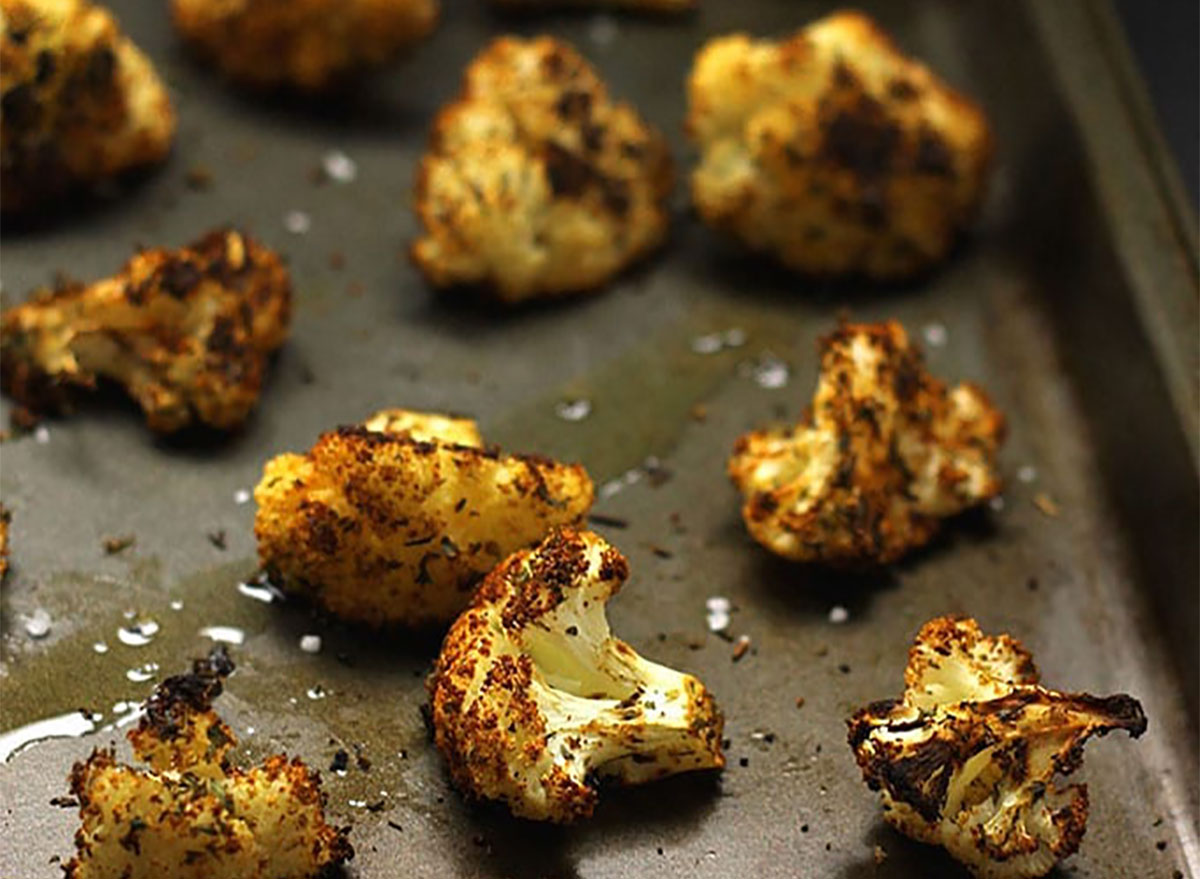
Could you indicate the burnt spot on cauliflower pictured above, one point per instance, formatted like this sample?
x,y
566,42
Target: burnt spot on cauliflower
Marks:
x,y
395,521
186,332
78,101
308,45
833,152
968,758
533,699
536,183
884,454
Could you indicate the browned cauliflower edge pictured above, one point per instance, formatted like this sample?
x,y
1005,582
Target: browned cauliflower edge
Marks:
x,y
79,101
395,521
834,152
309,45
967,757
532,697
885,453
190,814
186,332
536,183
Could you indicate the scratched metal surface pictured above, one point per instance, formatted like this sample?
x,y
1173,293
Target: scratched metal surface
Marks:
x,y
1041,307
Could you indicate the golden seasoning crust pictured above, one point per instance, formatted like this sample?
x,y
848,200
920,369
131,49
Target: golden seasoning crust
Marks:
x,y
190,815
186,332
887,452
834,152
304,44
79,101
395,525
968,757
532,698
536,183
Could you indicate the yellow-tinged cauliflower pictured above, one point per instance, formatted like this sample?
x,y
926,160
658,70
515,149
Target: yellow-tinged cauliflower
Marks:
x,y
305,44
886,452
834,152
536,183
967,758
532,697
186,332
78,101
395,521
191,815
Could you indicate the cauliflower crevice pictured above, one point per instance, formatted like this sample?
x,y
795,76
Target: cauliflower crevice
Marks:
x,y
834,152
190,814
532,697
536,183
81,103
886,452
395,521
186,332
971,755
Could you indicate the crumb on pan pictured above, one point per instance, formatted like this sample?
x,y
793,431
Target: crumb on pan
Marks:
x,y
80,102
309,45
972,755
834,152
191,814
886,452
186,332
394,522
533,700
536,183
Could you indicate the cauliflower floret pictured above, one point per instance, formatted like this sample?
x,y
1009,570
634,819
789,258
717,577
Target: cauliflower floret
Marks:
x,y
79,101
394,522
190,815
532,697
968,757
536,183
306,44
834,152
886,452
186,332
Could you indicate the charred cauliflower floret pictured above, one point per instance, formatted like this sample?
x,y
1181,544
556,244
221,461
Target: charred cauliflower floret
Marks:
x,y
395,521
304,44
186,332
190,814
532,697
833,152
886,452
78,101
967,758
536,183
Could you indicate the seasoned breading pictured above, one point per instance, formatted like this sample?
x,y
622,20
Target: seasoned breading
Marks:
x,y
304,44
968,757
536,183
78,101
395,521
186,332
640,5
887,452
190,815
834,152
533,700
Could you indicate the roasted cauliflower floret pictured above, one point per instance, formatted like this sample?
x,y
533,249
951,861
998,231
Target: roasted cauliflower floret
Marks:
x,y
186,332
394,522
833,152
885,453
536,183
78,101
967,758
190,815
303,44
532,697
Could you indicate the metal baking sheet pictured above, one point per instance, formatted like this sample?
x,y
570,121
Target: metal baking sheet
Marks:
x,y
1074,304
